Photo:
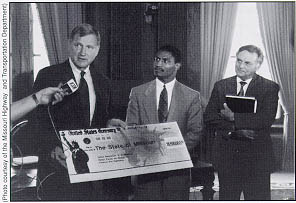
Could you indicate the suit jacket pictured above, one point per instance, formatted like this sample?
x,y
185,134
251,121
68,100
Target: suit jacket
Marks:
x,y
64,114
185,108
256,155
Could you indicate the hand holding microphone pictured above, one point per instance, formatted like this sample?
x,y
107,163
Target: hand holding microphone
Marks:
x,y
43,97
54,95
46,95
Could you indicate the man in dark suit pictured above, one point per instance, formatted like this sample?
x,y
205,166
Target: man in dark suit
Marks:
x,y
243,148
182,105
88,107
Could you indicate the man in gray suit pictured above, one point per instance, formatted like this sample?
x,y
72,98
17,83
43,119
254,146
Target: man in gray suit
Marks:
x,y
164,100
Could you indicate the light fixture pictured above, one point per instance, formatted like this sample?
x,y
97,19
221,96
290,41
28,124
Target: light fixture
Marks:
x,y
150,12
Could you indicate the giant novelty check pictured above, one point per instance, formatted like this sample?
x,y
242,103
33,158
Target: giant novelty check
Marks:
x,y
96,154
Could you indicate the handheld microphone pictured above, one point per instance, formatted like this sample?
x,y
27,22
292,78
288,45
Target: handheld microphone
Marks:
x,y
70,87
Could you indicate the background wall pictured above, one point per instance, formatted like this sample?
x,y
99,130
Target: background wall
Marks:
x,y
129,42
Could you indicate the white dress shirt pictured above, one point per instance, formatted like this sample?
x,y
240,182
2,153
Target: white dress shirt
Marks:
x,y
169,87
91,89
245,87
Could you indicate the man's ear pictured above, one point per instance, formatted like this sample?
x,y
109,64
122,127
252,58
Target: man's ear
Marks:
x,y
258,66
98,49
70,42
178,66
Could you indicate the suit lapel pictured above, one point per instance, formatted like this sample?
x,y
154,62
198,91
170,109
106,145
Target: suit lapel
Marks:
x,y
67,72
174,101
102,91
150,106
99,84
69,107
232,86
251,89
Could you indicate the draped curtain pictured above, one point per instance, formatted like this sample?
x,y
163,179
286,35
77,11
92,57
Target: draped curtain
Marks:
x,y
217,25
277,22
57,21
21,54
217,22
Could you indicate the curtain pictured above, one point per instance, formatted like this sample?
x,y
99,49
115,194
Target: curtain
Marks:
x,y
217,22
57,21
21,63
277,22
217,25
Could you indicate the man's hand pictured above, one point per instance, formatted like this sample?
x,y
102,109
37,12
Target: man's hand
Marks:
x,y
58,157
245,134
227,113
116,123
59,95
47,95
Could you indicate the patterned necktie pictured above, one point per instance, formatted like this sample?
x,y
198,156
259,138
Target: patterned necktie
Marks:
x,y
84,100
163,106
241,91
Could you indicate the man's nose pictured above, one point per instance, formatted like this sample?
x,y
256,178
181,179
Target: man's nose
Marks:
x,y
242,65
82,51
158,62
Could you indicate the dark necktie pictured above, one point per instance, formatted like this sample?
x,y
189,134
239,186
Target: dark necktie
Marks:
x,y
163,106
84,100
241,91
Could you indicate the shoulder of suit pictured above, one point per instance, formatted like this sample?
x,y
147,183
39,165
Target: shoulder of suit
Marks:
x,y
142,86
55,68
186,88
267,82
226,80
101,76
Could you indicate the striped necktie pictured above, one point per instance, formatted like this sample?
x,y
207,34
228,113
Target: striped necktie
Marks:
x,y
241,91
163,106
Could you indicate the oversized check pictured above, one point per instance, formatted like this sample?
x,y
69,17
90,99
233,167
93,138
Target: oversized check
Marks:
x,y
96,154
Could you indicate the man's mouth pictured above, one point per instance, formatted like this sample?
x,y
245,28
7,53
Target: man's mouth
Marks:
x,y
241,71
82,59
158,70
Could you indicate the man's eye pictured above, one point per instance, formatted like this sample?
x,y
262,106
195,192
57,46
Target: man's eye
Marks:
x,y
77,45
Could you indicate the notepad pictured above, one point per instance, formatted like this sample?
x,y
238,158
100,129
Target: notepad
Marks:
x,y
241,104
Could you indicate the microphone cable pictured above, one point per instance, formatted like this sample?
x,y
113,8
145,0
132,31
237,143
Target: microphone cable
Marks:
x,y
54,127
21,178
41,182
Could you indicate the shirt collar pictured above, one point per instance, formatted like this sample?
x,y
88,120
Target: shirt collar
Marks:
x,y
75,69
238,80
168,86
